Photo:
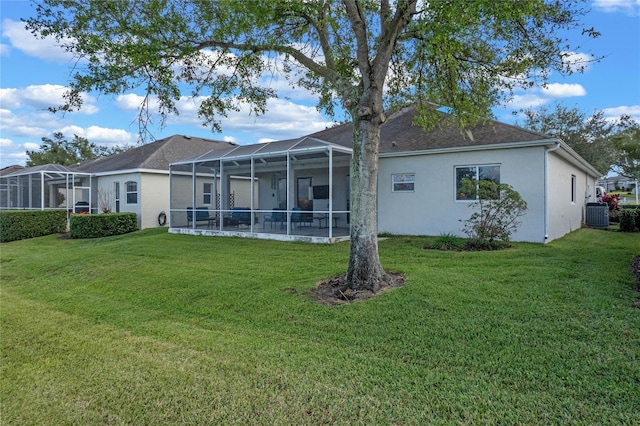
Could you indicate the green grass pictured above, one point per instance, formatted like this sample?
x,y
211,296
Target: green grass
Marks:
x,y
152,328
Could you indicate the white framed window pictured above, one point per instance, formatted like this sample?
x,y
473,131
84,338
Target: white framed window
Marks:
x,y
573,188
132,192
489,172
207,189
116,191
403,182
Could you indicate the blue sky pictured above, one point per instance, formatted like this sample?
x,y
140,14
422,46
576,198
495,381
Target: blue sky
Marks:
x,y
34,72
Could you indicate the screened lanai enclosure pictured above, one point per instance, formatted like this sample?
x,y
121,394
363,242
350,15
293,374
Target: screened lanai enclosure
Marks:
x,y
50,186
300,192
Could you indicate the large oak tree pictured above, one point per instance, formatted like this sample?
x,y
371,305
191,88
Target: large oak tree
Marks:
x,y
361,56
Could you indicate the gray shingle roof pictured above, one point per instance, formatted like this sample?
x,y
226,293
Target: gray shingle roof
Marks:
x,y
400,134
155,155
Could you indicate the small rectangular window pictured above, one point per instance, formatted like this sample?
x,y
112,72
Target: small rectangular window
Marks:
x,y
573,188
132,192
207,189
403,182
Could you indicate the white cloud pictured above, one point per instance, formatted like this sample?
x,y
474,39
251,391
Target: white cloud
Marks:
x,y
42,97
132,102
22,39
558,90
526,101
5,143
4,49
16,125
577,61
630,110
31,146
99,135
630,7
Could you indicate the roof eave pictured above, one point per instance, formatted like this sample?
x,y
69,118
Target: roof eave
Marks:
x,y
508,145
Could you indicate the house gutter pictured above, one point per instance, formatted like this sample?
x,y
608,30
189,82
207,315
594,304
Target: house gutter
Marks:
x,y
546,188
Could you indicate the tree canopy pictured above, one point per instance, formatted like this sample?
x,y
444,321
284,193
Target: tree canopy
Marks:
x,y
627,145
59,150
363,57
606,144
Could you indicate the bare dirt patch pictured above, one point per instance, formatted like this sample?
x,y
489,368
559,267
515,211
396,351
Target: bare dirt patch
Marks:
x,y
335,291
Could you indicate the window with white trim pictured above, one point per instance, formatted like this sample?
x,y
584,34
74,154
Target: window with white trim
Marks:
x,y
573,188
206,193
132,192
476,173
403,182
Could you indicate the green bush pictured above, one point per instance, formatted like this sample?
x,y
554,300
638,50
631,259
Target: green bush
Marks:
x,y
448,241
629,218
102,225
498,208
21,224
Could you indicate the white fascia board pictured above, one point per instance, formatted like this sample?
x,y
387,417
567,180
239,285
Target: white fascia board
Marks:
x,y
541,142
130,171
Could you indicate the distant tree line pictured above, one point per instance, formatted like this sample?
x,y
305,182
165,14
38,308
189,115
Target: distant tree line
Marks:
x,y
59,150
607,145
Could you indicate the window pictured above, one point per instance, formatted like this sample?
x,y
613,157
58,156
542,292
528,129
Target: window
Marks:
x,y
490,173
403,182
303,195
573,188
207,189
116,191
132,192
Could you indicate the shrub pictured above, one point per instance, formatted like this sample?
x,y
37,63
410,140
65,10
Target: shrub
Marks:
x,y
629,219
21,224
612,201
447,242
102,225
499,207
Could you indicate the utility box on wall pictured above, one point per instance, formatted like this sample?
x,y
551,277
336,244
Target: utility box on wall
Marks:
x,y
597,215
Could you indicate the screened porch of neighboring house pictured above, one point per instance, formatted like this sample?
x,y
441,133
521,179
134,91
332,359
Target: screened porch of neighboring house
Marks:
x,y
47,187
300,192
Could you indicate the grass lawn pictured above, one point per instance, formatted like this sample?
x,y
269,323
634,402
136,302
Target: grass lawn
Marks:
x,y
152,328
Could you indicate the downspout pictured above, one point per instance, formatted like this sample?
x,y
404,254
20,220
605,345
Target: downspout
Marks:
x,y
546,188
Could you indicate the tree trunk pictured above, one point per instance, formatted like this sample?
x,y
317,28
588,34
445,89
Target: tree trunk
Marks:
x,y
365,271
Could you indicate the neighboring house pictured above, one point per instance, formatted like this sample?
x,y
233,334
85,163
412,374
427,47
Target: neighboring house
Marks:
x,y
617,183
418,177
137,180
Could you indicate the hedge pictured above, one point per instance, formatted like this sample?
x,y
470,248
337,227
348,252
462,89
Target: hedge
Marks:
x,y
102,225
629,218
21,224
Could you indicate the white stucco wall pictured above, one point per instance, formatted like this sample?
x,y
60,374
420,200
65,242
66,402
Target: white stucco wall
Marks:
x,y
566,215
432,209
105,184
154,198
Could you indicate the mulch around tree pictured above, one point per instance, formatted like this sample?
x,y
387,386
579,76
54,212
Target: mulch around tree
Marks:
x,y
335,291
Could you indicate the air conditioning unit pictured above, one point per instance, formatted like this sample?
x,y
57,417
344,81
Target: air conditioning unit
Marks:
x,y
597,215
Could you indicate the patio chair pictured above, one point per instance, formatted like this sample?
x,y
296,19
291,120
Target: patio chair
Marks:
x,y
277,216
240,216
202,215
301,217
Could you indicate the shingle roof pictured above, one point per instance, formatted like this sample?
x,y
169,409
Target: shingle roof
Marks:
x,y
399,133
155,155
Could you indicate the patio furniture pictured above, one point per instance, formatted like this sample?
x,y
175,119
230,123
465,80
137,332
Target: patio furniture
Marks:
x,y
240,216
277,216
324,218
202,215
301,217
